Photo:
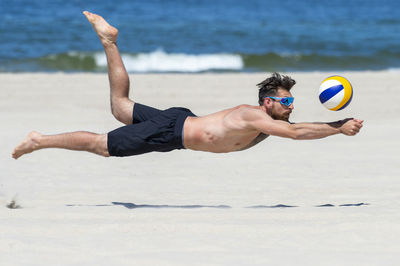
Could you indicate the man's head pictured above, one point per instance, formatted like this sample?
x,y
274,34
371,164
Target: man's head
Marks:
x,y
276,86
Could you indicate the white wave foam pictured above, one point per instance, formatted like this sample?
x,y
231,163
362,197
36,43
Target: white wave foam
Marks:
x,y
394,70
159,61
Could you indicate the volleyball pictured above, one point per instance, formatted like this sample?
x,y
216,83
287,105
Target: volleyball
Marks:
x,y
335,93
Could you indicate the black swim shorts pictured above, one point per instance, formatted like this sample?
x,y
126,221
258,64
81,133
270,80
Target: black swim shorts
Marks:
x,y
151,130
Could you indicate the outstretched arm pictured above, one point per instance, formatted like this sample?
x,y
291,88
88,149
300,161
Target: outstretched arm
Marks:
x,y
265,124
349,127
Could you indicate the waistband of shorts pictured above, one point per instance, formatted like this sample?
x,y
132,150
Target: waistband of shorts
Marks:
x,y
180,121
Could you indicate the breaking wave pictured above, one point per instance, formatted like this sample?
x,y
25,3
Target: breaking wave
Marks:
x,y
160,61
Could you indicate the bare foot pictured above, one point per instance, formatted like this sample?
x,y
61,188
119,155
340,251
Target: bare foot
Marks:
x,y
30,143
107,33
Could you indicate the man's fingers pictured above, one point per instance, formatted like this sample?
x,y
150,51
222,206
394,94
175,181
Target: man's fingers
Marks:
x,y
352,126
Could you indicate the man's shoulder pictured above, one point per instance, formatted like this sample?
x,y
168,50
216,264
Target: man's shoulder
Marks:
x,y
246,106
251,112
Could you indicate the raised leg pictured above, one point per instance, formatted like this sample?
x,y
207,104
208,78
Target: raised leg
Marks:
x,y
121,105
78,141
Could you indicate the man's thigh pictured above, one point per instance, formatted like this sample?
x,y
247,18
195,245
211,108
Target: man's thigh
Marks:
x,y
143,113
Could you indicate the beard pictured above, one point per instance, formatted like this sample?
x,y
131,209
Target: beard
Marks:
x,y
283,117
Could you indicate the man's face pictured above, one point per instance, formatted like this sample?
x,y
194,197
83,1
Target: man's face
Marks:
x,y
277,110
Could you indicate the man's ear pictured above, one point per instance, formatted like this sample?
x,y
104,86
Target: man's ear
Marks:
x,y
267,102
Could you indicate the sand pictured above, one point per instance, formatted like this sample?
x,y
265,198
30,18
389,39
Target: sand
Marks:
x,y
196,208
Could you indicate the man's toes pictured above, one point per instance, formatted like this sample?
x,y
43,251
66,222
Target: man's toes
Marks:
x,y
89,16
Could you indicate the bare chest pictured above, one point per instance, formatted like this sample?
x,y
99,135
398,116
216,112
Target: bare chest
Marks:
x,y
221,132
219,137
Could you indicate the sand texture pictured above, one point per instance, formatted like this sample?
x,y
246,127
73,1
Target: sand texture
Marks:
x,y
255,207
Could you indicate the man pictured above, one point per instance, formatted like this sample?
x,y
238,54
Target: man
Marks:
x,y
148,129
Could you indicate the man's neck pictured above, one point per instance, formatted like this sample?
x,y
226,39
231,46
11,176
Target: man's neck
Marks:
x,y
264,109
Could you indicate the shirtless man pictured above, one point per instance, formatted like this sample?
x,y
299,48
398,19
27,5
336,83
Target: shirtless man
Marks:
x,y
148,129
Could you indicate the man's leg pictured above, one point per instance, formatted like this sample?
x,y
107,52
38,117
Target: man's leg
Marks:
x,y
78,141
121,105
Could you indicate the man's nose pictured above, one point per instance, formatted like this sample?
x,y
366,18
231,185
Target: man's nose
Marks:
x,y
291,107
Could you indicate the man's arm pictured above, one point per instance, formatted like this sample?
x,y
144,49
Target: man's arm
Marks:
x,y
349,127
264,123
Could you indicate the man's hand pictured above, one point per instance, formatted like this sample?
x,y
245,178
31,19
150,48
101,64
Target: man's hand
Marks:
x,y
350,126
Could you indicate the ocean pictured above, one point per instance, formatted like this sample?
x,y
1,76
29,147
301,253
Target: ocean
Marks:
x,y
203,35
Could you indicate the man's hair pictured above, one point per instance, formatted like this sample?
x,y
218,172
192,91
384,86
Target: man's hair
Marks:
x,y
270,86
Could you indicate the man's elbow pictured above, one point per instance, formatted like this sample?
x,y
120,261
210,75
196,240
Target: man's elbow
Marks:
x,y
294,135
295,132
290,133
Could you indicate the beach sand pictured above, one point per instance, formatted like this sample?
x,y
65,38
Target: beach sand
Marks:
x,y
74,206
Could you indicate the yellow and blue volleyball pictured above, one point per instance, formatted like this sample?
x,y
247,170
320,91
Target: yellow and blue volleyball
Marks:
x,y
335,93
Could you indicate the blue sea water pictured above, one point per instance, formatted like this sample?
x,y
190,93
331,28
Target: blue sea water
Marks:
x,y
203,35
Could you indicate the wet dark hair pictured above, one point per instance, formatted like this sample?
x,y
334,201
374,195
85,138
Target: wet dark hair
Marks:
x,y
270,86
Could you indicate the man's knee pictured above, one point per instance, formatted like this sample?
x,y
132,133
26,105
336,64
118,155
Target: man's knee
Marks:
x,y
122,109
101,147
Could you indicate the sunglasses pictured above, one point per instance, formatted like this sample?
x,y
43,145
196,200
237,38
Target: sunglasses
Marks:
x,y
287,101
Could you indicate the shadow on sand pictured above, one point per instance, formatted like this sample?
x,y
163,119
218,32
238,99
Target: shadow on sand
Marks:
x,y
344,205
271,207
130,205
138,206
